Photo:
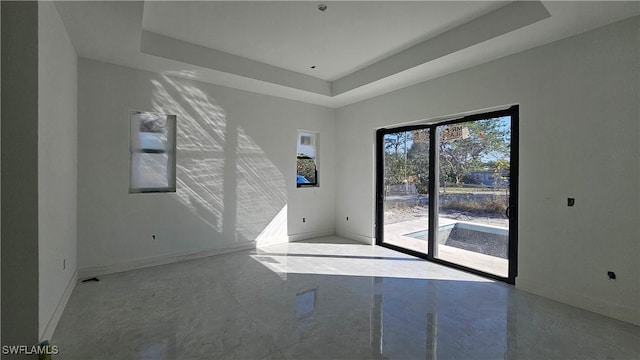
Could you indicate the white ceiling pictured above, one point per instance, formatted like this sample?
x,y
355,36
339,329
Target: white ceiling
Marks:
x,y
360,49
296,35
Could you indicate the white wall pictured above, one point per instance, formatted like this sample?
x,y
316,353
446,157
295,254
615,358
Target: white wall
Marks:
x,y
236,169
579,137
57,166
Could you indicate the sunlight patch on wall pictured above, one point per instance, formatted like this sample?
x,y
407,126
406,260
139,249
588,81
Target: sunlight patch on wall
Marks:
x,y
261,189
200,156
276,231
245,204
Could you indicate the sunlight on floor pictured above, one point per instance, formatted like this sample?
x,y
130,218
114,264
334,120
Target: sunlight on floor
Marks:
x,y
348,259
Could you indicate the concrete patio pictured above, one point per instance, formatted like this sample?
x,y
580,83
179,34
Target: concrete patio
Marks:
x,y
396,234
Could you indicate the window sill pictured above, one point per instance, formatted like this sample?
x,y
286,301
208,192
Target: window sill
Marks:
x,y
151,191
307,185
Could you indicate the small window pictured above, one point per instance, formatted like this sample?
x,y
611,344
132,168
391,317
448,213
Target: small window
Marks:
x,y
305,140
307,159
153,153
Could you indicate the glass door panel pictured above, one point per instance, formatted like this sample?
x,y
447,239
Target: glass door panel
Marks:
x,y
405,189
447,192
473,166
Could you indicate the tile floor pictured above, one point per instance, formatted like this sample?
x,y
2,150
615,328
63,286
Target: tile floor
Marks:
x,y
327,298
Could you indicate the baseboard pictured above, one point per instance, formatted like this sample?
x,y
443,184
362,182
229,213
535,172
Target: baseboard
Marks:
x,y
48,330
310,235
161,260
357,237
616,311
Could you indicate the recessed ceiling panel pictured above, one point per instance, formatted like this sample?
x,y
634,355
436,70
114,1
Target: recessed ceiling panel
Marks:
x,y
296,36
363,37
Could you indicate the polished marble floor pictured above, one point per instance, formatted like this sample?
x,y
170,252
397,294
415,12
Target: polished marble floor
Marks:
x,y
327,298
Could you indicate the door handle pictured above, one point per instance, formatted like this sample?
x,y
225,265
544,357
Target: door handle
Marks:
x,y
507,212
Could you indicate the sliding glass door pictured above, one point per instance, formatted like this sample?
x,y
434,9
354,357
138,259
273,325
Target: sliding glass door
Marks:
x,y
458,178
405,194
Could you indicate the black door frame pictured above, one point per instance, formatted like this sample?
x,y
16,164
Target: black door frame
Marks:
x,y
513,112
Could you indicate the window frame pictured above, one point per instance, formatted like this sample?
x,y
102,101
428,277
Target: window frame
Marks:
x,y
315,135
170,151
512,208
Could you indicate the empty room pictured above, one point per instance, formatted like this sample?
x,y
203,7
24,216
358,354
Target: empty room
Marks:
x,y
320,180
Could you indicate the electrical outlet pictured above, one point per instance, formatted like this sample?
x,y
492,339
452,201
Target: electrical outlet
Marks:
x,y
571,201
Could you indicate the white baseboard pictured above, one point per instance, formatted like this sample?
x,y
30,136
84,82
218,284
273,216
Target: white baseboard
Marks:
x,y
48,330
310,235
161,260
616,311
357,237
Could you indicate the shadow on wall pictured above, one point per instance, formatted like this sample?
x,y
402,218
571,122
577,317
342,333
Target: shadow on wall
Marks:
x,y
223,176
